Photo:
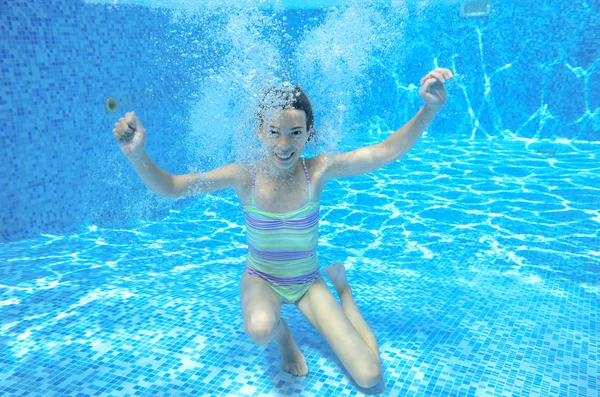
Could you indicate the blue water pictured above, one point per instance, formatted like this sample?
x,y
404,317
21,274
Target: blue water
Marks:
x,y
475,258
476,264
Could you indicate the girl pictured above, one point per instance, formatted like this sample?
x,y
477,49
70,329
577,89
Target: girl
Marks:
x,y
280,197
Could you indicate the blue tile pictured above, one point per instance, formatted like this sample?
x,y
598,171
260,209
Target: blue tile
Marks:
x,y
474,258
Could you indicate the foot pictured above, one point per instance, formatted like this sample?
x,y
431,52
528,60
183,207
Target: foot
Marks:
x,y
293,359
336,273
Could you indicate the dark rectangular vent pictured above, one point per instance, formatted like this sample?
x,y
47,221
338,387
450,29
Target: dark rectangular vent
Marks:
x,y
475,8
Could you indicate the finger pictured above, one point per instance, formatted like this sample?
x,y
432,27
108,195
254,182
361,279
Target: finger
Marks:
x,y
447,73
425,79
133,121
118,133
130,116
118,130
124,126
443,71
438,75
130,123
129,120
427,85
434,73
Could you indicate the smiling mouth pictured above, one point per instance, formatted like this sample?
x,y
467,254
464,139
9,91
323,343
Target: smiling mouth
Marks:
x,y
286,157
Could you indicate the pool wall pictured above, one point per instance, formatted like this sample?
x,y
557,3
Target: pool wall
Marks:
x,y
527,71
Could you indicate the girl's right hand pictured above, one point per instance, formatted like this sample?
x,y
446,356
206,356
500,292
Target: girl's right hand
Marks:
x,y
130,134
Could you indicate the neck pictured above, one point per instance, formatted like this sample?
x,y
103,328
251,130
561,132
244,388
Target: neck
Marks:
x,y
278,174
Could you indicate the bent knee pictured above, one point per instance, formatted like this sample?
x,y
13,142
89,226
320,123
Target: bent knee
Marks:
x,y
370,378
260,327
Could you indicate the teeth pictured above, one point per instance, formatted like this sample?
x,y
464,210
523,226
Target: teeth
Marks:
x,y
284,158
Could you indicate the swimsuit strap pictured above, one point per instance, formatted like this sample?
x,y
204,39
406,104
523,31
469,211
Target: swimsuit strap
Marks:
x,y
307,180
253,183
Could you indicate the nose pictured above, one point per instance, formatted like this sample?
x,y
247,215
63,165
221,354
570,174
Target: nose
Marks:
x,y
283,141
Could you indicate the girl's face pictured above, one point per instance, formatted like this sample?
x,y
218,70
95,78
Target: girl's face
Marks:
x,y
284,136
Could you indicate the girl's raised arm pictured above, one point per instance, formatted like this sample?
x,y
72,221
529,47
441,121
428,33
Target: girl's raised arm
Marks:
x,y
131,135
373,157
206,182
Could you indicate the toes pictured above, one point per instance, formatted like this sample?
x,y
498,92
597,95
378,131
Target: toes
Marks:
x,y
291,368
298,369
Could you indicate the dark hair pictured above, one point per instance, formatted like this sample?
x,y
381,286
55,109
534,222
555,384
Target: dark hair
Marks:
x,y
287,96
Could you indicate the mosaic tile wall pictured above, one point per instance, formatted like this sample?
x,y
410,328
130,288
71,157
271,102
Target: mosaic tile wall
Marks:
x,y
528,71
60,60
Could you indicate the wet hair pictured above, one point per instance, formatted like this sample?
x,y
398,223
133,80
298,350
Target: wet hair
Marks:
x,y
286,96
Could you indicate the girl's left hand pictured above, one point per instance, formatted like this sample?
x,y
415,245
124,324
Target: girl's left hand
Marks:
x,y
432,87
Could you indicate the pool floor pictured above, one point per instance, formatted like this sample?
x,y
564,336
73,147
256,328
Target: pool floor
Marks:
x,y
476,264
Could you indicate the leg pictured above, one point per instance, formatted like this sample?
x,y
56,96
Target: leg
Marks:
x,y
323,311
336,273
261,310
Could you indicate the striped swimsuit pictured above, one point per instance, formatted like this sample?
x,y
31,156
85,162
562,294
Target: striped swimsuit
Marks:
x,y
282,248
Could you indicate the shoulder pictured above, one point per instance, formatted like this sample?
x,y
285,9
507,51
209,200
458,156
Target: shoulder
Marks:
x,y
322,164
243,172
319,169
234,175
318,163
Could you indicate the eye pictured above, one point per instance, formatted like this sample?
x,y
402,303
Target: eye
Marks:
x,y
273,132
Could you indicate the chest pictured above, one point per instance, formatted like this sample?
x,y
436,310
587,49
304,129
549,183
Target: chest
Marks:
x,y
280,196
